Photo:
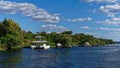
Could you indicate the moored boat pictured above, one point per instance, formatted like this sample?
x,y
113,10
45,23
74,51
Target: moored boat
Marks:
x,y
40,44
44,46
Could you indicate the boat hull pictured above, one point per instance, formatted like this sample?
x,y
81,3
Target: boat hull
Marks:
x,y
40,47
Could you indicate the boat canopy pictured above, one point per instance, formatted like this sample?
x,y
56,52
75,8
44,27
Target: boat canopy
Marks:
x,y
38,36
39,41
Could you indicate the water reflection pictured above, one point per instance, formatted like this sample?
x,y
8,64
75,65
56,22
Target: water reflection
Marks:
x,y
10,59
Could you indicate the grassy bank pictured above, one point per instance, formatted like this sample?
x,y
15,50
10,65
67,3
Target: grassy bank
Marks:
x,y
3,49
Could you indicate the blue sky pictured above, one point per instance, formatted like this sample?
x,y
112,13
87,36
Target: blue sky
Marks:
x,y
100,18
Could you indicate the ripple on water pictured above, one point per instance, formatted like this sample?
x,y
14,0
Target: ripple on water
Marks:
x,y
76,57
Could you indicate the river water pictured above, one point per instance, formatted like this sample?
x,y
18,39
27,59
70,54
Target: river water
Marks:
x,y
75,57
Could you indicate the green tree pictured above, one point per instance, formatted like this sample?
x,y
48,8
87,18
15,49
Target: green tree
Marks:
x,y
12,34
67,32
64,39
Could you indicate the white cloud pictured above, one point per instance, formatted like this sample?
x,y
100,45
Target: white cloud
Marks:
x,y
109,33
111,10
101,28
89,33
112,21
28,9
52,27
105,1
80,19
109,29
85,27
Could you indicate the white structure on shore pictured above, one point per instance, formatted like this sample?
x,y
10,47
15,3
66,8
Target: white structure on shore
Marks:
x,y
87,44
59,45
40,44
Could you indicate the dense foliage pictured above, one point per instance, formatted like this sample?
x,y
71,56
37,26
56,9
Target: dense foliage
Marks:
x,y
12,36
67,39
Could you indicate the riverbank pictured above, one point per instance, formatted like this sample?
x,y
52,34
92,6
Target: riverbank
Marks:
x,y
29,46
12,48
2,49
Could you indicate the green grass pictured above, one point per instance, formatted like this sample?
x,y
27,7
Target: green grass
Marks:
x,y
3,49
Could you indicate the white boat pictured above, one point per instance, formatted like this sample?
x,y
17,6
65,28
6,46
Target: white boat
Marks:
x,y
39,44
44,46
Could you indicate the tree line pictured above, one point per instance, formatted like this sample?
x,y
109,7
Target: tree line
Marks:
x,y
67,39
12,36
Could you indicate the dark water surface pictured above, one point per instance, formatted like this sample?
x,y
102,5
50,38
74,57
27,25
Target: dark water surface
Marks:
x,y
76,57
